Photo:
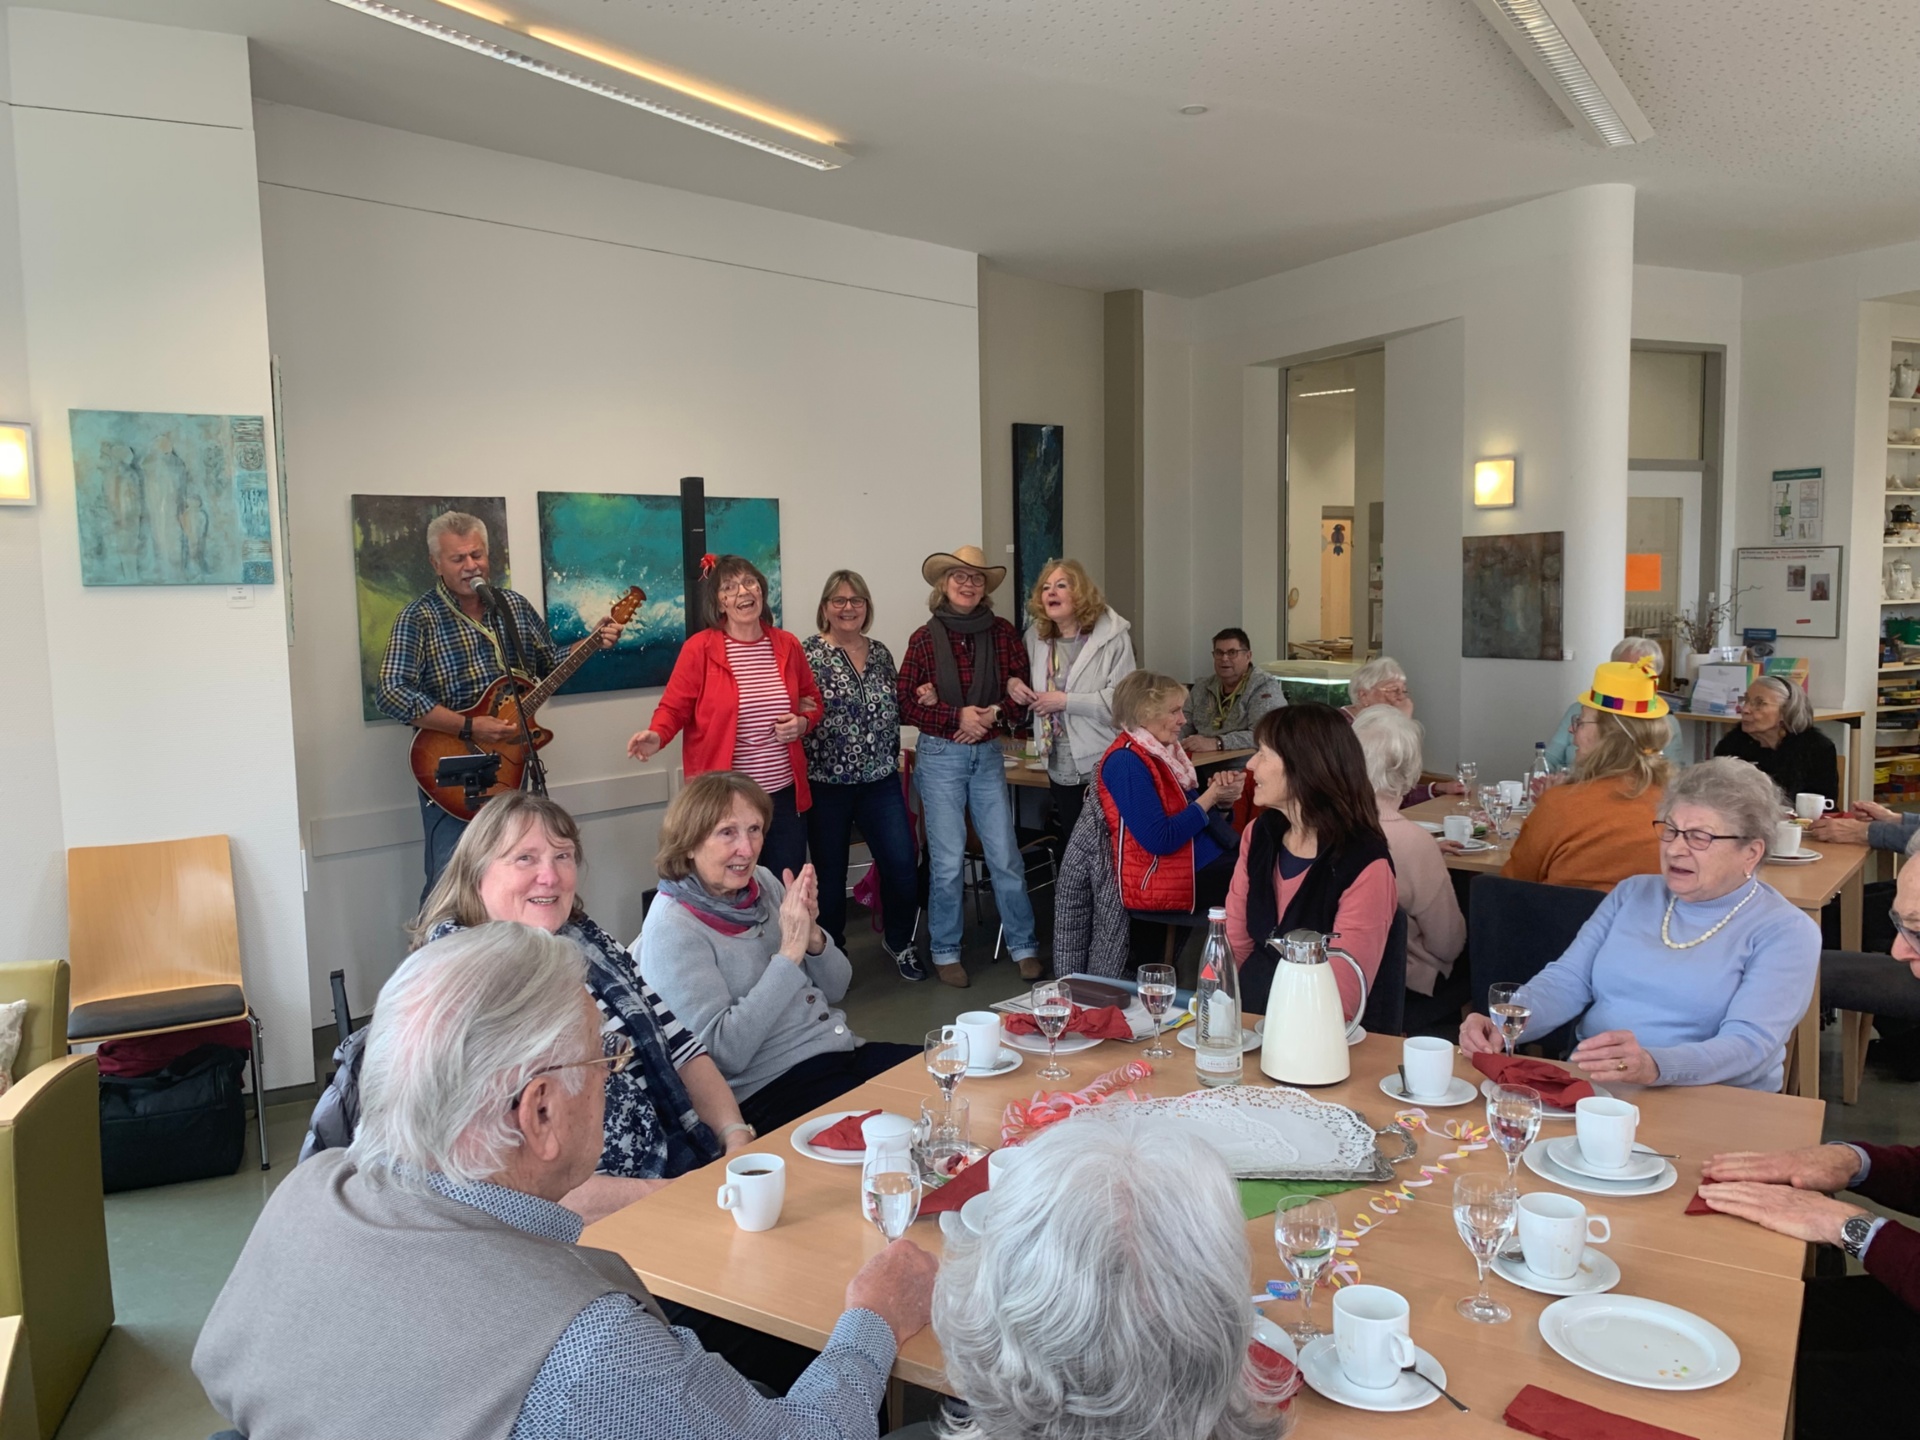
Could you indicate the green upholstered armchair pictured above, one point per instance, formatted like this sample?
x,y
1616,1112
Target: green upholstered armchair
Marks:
x,y
53,1226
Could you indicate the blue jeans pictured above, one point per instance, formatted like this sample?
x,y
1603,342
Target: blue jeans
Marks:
x,y
955,779
880,810
443,833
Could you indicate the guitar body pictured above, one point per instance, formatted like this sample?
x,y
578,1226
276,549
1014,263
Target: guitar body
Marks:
x,y
430,747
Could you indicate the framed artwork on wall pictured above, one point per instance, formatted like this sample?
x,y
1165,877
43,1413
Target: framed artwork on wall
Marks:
x,y
1039,523
1512,597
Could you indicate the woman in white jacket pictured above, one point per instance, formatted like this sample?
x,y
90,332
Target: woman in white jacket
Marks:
x,y
1078,649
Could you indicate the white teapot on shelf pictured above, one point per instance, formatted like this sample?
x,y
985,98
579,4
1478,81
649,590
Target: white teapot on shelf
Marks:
x,y
1899,581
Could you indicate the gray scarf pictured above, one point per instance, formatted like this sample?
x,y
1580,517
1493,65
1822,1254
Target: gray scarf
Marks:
x,y
984,686
755,906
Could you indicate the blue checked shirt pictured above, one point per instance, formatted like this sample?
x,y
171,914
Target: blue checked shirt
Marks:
x,y
616,1374
437,656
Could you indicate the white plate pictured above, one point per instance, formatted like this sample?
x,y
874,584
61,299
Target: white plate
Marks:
x,y
1805,857
973,1214
1549,1112
1010,1061
802,1138
1597,1275
1249,1039
1459,1092
1432,827
1321,1368
1640,1342
1037,1044
1542,1165
1475,847
1274,1338
1566,1153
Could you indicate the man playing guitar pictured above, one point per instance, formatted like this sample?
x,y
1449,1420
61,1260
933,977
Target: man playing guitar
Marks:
x,y
447,648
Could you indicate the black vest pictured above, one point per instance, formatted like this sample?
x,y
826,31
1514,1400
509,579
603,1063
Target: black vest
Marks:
x,y
1315,905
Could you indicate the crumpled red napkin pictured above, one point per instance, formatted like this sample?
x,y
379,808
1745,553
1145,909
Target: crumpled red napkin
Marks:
x,y
1554,1417
1104,1022
1557,1087
1279,1377
844,1134
956,1192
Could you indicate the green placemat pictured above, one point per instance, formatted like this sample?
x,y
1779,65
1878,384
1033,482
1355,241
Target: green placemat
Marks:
x,y
1263,1197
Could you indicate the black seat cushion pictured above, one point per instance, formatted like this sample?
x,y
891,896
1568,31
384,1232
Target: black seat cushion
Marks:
x,y
160,1010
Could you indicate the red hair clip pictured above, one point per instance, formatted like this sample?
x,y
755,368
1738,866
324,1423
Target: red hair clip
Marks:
x,y
707,562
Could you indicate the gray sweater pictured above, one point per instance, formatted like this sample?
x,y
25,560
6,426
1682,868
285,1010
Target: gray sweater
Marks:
x,y
757,1012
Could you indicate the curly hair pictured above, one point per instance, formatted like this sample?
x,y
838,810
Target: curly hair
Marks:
x,y
1088,603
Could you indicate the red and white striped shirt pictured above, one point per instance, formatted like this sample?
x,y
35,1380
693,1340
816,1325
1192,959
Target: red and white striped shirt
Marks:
x,y
763,700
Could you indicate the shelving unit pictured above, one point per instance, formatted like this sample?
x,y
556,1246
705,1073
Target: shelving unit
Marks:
x,y
1896,749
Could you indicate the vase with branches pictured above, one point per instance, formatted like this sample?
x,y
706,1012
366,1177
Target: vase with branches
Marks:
x,y
1698,627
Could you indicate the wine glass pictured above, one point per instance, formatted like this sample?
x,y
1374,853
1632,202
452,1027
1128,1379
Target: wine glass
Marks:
x,y
946,1055
1513,1113
1052,1003
1498,813
1485,1208
1467,772
1157,987
1509,1012
890,1191
1305,1230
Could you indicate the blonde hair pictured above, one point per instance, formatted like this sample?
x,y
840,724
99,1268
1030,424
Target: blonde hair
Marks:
x,y
1088,603
697,811
851,579
502,820
1629,746
1137,694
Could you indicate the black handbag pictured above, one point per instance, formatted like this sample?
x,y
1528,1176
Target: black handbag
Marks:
x,y
184,1122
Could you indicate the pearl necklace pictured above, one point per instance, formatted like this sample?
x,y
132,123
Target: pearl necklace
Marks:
x,y
1666,939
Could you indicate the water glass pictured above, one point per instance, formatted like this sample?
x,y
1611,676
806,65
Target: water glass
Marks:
x,y
890,1192
1467,772
1305,1231
1509,1012
945,1050
1052,1002
1485,1209
1513,1113
943,1139
1157,987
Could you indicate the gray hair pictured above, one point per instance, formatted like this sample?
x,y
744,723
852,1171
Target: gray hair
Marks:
x,y
1381,670
1744,799
458,1031
1067,1321
1641,647
1796,711
1392,743
453,522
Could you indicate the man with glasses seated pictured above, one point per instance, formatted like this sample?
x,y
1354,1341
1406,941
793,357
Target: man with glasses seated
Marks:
x,y
426,1280
1223,708
1694,976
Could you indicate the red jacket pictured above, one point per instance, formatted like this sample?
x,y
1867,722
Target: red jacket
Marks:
x,y
1149,881
703,699
1893,1179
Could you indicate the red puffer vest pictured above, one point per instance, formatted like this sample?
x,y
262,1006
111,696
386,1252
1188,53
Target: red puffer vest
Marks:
x,y
1149,881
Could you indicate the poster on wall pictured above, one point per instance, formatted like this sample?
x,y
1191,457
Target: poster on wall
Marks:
x,y
1511,596
171,499
1798,499
592,547
1039,526
1792,590
390,567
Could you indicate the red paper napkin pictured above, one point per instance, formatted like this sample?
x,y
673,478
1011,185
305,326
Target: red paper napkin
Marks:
x,y
1554,1417
1556,1086
1105,1022
956,1192
844,1134
1279,1378
1697,1206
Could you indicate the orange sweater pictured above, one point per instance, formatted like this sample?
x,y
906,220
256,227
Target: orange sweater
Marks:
x,y
1589,834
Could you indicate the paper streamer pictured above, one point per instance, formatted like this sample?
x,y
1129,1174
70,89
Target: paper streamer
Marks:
x,y
1025,1119
1467,1137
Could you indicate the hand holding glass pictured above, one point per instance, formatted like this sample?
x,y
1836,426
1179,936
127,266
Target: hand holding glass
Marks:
x,y
1509,1012
1157,987
1305,1231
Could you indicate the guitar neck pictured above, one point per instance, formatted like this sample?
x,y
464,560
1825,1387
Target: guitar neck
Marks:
x,y
533,699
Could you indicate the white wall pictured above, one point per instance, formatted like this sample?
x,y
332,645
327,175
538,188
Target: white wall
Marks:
x,y
450,319
140,261
1320,442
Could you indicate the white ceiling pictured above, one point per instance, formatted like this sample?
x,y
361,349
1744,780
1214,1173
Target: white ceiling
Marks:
x,y
1043,133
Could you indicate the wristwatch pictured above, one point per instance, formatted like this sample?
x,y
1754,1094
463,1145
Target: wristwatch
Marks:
x,y
1855,1232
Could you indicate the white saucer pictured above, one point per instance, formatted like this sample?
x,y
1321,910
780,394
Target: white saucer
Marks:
x,y
801,1140
1432,827
1475,847
1566,1153
1458,1092
1321,1368
1037,1044
1010,1061
1640,1342
973,1214
950,1226
1249,1039
1274,1338
1597,1275
1805,857
1549,1112
1543,1165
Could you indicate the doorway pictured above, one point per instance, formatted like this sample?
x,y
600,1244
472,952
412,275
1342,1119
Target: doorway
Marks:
x,y
1331,507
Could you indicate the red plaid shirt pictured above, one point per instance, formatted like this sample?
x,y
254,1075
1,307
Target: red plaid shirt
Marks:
x,y
941,719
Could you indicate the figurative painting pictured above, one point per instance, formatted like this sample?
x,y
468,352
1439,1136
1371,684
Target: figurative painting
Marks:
x,y
751,530
1039,518
1512,597
592,547
171,499
391,570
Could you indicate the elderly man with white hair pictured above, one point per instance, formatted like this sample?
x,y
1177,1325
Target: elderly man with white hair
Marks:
x,y
427,1282
1561,750
1382,681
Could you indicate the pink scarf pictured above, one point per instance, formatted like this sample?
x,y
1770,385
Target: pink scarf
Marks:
x,y
1172,756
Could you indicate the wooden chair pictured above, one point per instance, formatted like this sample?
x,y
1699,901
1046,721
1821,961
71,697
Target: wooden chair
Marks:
x,y
155,945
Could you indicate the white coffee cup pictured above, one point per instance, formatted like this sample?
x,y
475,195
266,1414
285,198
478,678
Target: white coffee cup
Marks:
x,y
1809,806
1001,1163
1512,791
1605,1129
1457,827
1555,1231
1370,1335
1786,838
1428,1061
982,1029
755,1189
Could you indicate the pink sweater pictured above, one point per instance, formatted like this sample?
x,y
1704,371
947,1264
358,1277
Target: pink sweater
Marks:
x,y
1363,920
1436,930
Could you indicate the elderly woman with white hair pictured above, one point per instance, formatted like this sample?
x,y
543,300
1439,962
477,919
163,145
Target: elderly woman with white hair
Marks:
x,y
1694,976
1436,930
1065,1322
1562,750
1776,734
1382,681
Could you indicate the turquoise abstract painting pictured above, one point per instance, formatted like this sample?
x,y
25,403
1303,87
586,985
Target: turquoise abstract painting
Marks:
x,y
751,530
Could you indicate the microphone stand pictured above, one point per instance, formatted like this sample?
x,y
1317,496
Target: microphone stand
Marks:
x,y
534,777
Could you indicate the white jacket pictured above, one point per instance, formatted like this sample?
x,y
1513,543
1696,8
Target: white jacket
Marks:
x,y
1105,660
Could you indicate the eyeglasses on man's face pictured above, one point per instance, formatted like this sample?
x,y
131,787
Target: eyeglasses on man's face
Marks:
x,y
1230,652
1696,839
619,1054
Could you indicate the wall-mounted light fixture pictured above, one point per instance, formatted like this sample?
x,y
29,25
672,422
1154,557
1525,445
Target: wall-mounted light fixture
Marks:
x,y
1493,483
16,464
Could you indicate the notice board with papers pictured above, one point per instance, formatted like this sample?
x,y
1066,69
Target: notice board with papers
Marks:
x,y
1793,590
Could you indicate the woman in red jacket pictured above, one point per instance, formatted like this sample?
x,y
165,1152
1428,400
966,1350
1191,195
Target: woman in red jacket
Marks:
x,y
743,693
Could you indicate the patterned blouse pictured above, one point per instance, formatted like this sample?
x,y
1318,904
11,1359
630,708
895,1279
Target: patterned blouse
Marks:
x,y
858,738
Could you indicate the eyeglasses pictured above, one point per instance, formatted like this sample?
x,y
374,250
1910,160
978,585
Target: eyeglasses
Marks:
x,y
1393,691
845,602
1912,937
1229,653
619,1055
1696,839
736,587
969,578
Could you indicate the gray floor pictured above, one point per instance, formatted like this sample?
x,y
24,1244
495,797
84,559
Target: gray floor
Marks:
x,y
172,1247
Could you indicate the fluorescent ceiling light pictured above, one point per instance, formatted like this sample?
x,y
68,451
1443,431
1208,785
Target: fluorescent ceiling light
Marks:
x,y
477,46
1309,394
1552,40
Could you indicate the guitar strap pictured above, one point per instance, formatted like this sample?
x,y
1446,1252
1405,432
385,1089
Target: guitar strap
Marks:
x,y
486,630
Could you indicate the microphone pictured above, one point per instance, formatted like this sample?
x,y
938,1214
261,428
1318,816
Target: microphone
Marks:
x,y
486,594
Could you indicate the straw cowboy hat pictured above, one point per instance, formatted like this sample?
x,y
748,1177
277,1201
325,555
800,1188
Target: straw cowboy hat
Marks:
x,y
1625,687
968,557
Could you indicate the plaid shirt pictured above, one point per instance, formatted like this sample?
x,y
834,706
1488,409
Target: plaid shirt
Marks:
x,y
437,656
940,719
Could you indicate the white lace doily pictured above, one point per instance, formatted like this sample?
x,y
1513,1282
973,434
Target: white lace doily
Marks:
x,y
1264,1132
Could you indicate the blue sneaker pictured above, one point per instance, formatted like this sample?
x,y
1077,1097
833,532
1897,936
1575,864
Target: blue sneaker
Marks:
x,y
907,962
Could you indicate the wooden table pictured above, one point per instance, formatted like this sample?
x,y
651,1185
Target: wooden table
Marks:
x,y
791,1281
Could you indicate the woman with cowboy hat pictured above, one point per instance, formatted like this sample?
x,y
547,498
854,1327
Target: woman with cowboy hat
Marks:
x,y
1598,830
954,689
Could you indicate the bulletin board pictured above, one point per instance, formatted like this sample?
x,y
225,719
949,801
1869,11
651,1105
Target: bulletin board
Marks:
x,y
1794,590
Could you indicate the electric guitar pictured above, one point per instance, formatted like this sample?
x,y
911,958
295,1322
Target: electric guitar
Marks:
x,y
508,698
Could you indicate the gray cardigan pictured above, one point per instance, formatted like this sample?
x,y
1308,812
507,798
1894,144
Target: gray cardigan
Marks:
x,y
757,1012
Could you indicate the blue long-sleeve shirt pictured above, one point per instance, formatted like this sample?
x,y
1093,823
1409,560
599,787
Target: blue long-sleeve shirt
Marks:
x,y
1893,834
1131,784
1717,1014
